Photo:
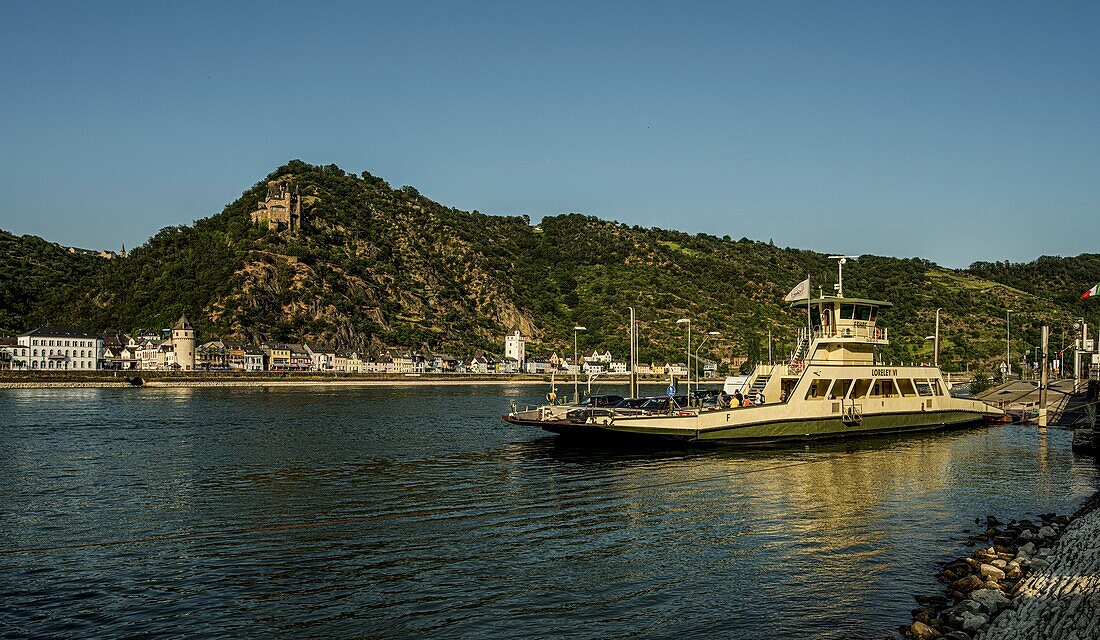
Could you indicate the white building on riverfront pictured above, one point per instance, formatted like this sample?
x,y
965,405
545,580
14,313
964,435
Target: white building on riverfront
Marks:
x,y
63,348
515,347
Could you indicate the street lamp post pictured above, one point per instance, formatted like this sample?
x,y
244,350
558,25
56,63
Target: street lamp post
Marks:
x,y
576,365
687,354
697,349
1008,343
936,348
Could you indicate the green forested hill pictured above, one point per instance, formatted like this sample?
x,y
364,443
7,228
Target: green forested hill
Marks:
x,y
1062,280
33,271
381,266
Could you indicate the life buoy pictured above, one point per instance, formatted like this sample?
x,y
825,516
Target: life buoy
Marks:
x,y
796,366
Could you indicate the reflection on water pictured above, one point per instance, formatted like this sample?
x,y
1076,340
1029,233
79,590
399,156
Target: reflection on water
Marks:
x,y
422,514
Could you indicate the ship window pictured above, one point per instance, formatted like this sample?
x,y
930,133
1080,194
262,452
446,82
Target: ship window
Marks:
x,y
874,314
884,389
863,312
906,386
840,389
860,389
847,311
936,387
923,388
818,389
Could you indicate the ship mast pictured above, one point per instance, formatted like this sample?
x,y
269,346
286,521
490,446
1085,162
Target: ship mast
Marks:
x,y
839,286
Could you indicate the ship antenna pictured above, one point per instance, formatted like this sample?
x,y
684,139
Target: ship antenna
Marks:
x,y
839,286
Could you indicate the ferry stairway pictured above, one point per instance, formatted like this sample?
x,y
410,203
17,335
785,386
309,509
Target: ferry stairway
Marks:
x,y
758,384
799,352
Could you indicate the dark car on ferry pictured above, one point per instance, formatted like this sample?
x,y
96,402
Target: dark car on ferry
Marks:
x,y
592,406
650,406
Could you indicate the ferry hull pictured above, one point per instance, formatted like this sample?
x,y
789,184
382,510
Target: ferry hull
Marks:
x,y
768,432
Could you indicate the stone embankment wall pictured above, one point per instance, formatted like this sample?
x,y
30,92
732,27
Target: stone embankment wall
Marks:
x,y
1060,599
980,586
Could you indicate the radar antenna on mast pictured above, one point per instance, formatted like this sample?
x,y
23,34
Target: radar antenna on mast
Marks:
x,y
840,260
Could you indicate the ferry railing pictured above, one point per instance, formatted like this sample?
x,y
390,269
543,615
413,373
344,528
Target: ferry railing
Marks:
x,y
867,333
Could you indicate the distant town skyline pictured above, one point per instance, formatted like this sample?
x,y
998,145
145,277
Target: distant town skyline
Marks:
x,y
950,132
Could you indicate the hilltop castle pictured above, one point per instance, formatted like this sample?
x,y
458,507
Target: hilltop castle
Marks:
x,y
281,210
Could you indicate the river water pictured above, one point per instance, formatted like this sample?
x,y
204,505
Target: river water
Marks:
x,y
414,512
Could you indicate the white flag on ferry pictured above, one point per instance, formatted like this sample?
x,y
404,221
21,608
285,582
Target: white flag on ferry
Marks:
x,y
801,291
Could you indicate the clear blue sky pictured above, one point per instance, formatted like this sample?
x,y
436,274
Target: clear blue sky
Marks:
x,y
946,130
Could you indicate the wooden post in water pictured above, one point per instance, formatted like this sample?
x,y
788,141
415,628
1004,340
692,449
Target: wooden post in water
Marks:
x,y
1043,379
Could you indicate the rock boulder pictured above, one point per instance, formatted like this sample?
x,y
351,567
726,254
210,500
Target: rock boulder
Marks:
x,y
991,600
921,631
991,572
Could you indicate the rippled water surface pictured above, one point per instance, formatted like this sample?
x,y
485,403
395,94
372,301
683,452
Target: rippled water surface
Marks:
x,y
393,513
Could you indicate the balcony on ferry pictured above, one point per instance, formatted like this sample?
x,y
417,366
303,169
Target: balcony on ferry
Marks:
x,y
846,320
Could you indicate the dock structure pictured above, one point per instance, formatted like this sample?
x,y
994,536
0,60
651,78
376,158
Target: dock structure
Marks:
x,y
1060,601
1022,399
1081,417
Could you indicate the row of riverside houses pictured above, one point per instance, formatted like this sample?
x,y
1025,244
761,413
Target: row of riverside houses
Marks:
x,y
72,349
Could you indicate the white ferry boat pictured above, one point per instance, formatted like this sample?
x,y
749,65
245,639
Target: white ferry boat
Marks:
x,y
832,387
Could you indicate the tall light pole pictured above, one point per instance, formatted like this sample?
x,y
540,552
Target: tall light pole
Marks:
x,y
634,354
697,349
1008,343
576,365
687,354
936,348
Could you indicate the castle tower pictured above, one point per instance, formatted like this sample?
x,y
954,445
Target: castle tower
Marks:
x,y
515,346
183,344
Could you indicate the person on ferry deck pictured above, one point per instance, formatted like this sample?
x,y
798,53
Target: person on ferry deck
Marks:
x,y
739,398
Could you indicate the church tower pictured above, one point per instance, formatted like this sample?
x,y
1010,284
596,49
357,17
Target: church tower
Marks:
x,y
183,344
